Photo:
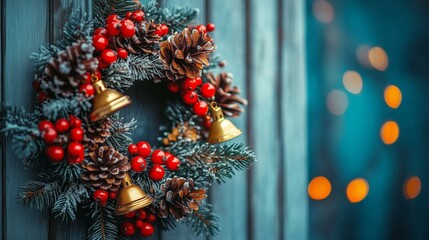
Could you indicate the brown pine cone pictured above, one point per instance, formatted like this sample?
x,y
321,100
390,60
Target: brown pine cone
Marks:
x,y
185,54
181,198
97,133
65,71
183,131
144,40
227,96
106,169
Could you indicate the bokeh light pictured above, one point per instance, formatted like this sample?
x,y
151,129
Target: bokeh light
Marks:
x,y
393,96
389,132
357,190
337,102
378,58
362,55
319,188
323,11
412,187
352,81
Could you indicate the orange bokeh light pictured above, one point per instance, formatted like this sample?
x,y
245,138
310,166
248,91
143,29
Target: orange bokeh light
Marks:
x,y
389,132
378,58
319,188
323,11
412,187
352,81
357,190
393,96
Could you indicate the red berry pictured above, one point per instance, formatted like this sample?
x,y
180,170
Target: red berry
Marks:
x,y
127,28
173,87
207,123
87,89
151,217
190,97
97,74
208,90
101,63
210,27
130,214
158,157
173,163
122,53
37,86
101,31
87,77
157,172
100,195
42,97
113,18
201,108
62,125
75,159
112,195
168,155
49,135
100,42
109,56
45,124
128,14
138,164
138,223
147,229
76,134
113,28
132,149
137,16
75,122
128,229
201,28
141,214
143,149
189,84
159,32
164,29
199,80
75,149
55,153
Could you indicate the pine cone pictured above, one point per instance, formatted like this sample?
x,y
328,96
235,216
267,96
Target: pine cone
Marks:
x,y
227,96
106,169
97,133
180,199
144,40
185,54
65,71
185,131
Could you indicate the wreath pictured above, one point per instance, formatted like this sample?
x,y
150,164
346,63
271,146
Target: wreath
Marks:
x,y
83,146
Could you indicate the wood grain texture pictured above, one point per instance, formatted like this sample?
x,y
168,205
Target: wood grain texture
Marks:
x,y
26,29
230,199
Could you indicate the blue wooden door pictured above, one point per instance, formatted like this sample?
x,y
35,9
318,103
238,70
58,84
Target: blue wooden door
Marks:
x,y
262,42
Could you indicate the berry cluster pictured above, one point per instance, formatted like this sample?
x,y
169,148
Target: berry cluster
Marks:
x,y
142,221
206,28
117,27
101,196
142,151
64,134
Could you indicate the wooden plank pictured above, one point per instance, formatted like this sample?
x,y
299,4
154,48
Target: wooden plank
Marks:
x,y
2,138
26,28
230,200
293,120
264,132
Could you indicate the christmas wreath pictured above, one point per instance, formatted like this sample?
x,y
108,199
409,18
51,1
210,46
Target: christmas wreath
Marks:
x,y
83,146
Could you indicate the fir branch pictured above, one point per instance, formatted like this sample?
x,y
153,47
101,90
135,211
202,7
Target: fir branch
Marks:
x,y
65,206
176,18
178,113
67,173
144,67
167,224
104,225
101,9
39,195
203,221
120,132
62,107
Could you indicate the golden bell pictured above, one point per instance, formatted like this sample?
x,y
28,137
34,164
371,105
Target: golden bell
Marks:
x,y
131,197
221,129
106,101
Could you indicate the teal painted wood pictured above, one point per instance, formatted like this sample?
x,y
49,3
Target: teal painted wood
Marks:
x,y
293,110
230,200
2,138
26,29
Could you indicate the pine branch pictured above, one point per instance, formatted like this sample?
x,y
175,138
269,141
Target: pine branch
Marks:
x,y
66,173
176,18
203,221
143,67
39,195
120,132
101,9
66,205
167,224
104,225
62,107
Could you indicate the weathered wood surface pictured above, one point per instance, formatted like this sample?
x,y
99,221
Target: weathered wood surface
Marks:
x,y
263,43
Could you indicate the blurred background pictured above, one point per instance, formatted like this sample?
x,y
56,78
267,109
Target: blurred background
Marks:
x,y
367,73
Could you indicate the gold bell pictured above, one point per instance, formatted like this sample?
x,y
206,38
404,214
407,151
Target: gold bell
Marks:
x,y
131,197
106,101
221,129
